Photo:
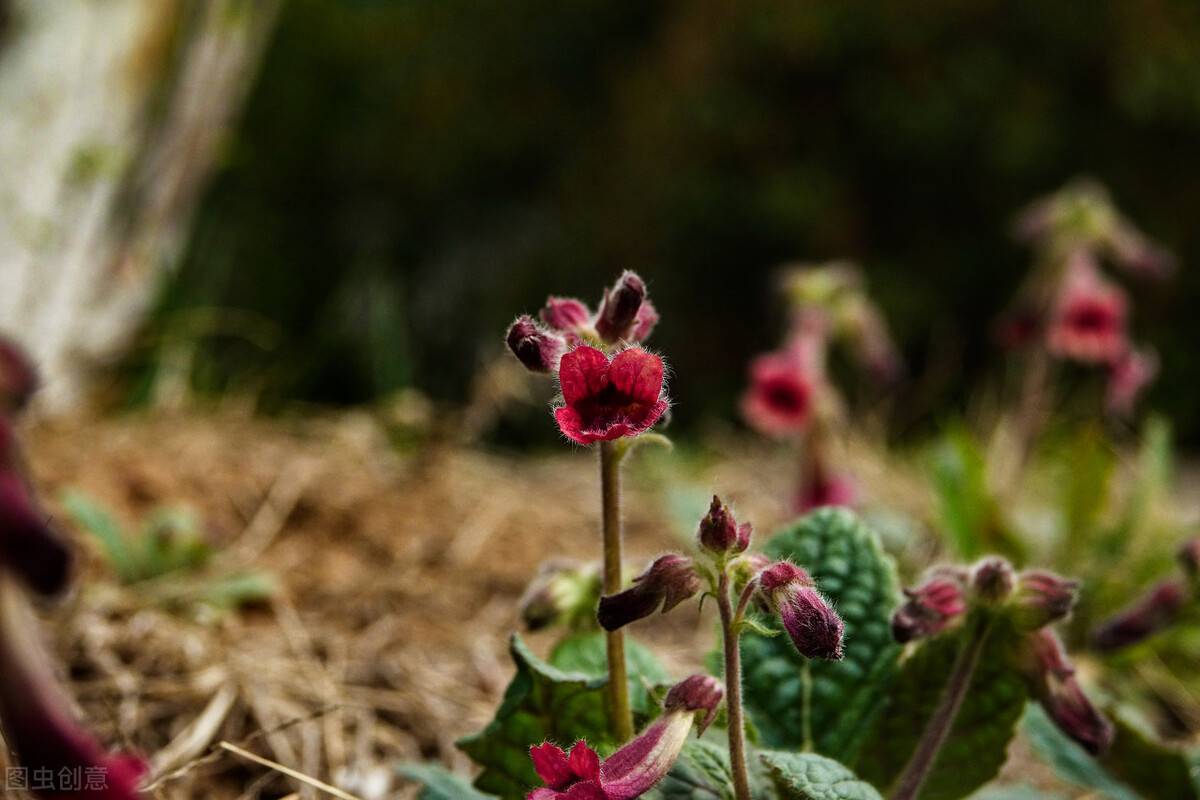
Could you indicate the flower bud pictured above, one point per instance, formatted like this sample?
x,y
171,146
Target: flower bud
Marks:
x,y
719,532
992,580
18,377
562,593
668,581
696,693
647,318
1146,617
619,309
932,607
566,314
1042,598
1051,680
815,628
538,349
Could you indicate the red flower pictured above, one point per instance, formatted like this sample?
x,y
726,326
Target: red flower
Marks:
x,y
781,396
639,765
606,400
813,626
1088,322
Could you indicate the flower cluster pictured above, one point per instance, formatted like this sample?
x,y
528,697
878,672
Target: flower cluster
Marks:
x,y
35,713
610,388
1069,306
782,587
634,769
1029,602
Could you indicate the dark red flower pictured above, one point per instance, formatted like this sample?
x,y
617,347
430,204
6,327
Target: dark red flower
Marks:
x,y
1089,319
538,349
37,722
781,396
618,316
1152,613
606,400
1051,680
933,606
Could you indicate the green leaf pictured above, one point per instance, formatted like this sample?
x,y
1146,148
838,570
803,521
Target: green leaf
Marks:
x,y
439,783
967,508
978,742
808,776
587,653
1070,761
547,703
1152,767
700,773
94,519
850,568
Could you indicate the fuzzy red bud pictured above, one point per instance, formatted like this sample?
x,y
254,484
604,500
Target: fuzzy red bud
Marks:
x,y
667,582
814,627
618,313
536,348
719,532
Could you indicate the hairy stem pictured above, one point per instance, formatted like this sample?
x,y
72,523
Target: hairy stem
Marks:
x,y
619,713
920,764
733,691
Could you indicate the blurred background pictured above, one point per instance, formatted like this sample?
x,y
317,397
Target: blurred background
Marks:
x,y
375,188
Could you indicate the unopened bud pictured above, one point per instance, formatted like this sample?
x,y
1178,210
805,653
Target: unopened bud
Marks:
x,y
1149,615
538,349
1042,598
562,593
992,580
667,582
814,627
932,607
647,318
565,314
696,693
619,310
719,532
1052,682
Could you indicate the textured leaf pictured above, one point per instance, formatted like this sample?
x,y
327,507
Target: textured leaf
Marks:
x,y
587,653
808,776
542,703
1070,761
438,783
702,772
845,558
977,745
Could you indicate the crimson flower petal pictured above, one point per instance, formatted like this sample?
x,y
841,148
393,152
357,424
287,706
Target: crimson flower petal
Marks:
x,y
583,373
551,765
638,374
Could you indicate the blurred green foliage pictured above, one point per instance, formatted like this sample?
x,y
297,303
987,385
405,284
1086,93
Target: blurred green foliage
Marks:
x,y
409,175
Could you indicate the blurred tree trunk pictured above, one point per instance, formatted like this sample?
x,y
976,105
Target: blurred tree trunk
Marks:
x,y
114,113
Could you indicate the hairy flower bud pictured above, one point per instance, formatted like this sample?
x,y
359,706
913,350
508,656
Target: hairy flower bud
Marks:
x,y
992,580
696,693
1051,680
667,582
1042,598
538,349
1152,613
719,532
562,593
18,377
814,627
619,309
939,602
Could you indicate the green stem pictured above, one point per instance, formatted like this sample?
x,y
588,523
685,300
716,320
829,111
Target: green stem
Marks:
x,y
620,715
733,691
806,709
920,764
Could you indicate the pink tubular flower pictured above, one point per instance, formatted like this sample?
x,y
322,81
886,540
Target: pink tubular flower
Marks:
x,y
38,725
1146,617
566,314
1089,317
1052,682
719,532
781,396
29,547
607,400
1042,598
638,766
932,607
667,582
815,628
1128,375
